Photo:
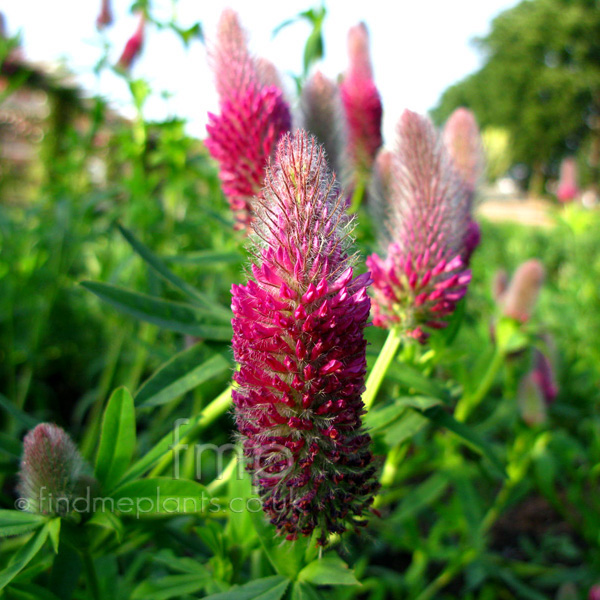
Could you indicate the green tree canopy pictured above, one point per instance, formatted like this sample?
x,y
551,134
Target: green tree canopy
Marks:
x,y
540,79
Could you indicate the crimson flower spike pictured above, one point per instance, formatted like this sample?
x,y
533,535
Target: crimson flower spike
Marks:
x,y
362,105
133,47
298,338
463,142
253,117
424,274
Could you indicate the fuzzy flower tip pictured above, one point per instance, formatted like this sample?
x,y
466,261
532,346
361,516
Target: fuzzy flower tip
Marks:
x,y
362,104
463,142
298,338
322,113
52,470
253,117
424,274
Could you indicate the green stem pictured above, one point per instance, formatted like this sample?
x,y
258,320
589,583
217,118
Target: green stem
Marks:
x,y
447,575
357,196
91,575
210,414
384,360
467,404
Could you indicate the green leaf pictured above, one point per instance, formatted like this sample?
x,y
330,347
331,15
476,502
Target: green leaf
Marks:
x,y
20,416
302,590
105,519
406,427
159,266
10,445
182,373
208,258
54,533
171,586
175,316
268,588
413,379
421,496
381,417
286,559
23,557
117,439
161,496
468,436
179,564
15,522
208,415
509,336
31,591
329,570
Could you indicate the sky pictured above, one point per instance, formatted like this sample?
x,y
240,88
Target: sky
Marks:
x,y
418,48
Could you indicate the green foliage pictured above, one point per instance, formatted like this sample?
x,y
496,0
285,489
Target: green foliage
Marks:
x,y
474,502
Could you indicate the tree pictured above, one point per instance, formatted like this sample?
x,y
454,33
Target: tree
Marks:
x,y
540,81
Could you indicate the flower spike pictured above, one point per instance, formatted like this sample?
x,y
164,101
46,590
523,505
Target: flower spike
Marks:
x,y
253,116
424,274
362,105
298,338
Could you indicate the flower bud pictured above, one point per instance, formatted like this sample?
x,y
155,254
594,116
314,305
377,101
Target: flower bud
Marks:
x,y
594,593
105,17
543,375
322,113
52,471
133,47
298,338
567,184
530,400
521,296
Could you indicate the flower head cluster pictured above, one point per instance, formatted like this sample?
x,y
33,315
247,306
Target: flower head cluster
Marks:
x,y
253,116
298,338
52,470
362,104
463,142
424,273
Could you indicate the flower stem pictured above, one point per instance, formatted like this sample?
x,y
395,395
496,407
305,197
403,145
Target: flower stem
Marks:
x,y
91,576
384,360
209,414
357,196
467,404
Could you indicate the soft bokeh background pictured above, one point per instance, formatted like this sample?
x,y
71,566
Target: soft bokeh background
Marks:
x,y
418,48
